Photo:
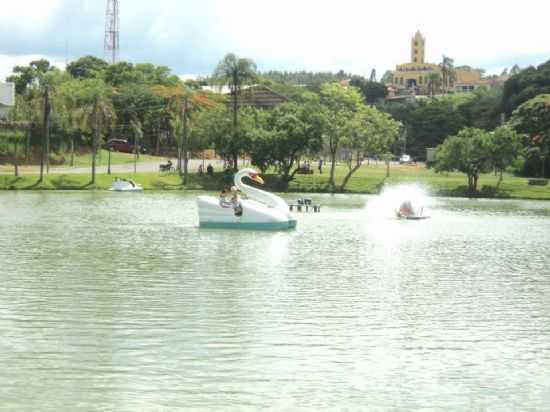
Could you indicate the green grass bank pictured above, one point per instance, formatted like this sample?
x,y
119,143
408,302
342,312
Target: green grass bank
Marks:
x,y
369,179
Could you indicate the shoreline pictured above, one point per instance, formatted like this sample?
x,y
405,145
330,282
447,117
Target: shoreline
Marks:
x,y
369,184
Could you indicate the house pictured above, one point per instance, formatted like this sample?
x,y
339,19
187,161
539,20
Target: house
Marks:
x,y
258,96
7,98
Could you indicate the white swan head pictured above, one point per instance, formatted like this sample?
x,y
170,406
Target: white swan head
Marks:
x,y
250,173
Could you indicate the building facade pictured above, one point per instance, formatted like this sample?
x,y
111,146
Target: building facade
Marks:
x,y
7,98
421,78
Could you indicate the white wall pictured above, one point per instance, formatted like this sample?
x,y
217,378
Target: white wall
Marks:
x,y
7,94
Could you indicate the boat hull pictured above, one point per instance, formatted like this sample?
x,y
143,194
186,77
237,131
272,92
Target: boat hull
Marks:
x,y
125,186
255,216
249,225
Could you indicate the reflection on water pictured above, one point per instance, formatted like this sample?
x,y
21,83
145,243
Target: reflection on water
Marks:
x,y
120,302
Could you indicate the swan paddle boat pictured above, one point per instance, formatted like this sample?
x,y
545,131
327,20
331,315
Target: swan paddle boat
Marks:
x,y
123,185
261,210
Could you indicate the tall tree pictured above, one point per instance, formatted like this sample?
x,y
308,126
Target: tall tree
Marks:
x,y
286,134
524,85
434,83
370,132
372,77
468,152
342,104
505,146
87,67
448,73
98,112
234,72
533,119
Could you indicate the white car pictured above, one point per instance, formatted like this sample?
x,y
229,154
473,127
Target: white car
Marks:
x,y
405,159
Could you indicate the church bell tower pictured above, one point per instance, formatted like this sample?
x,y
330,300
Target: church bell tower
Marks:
x,y
418,48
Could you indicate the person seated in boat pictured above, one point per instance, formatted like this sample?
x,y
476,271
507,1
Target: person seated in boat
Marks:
x,y
406,209
236,201
223,199
132,183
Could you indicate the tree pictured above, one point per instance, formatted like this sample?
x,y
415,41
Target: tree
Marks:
x,y
341,104
387,77
434,83
87,67
482,110
515,69
372,77
370,132
371,90
234,72
468,152
98,112
429,123
505,145
533,119
448,73
524,85
281,137
26,76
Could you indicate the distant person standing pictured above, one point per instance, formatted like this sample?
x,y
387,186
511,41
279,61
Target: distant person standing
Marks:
x,y
320,166
210,169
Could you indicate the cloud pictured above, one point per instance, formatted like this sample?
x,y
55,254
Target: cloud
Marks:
x,y
7,63
191,36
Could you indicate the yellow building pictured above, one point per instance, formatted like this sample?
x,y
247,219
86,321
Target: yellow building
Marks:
x,y
420,77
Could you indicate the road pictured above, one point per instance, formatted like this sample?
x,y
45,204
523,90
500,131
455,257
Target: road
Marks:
x,y
119,168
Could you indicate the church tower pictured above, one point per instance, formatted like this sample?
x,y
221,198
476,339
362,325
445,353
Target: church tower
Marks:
x,y
418,48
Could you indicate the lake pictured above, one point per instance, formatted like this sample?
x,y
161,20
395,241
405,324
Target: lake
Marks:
x,y
118,301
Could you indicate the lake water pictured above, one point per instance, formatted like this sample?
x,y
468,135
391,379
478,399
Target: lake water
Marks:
x,y
112,301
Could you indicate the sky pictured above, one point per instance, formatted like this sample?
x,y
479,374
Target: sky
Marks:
x,y
192,36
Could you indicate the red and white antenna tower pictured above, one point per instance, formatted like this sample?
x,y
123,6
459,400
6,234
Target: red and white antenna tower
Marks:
x,y
112,42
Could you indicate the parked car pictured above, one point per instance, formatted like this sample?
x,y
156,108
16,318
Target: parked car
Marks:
x,y
405,159
124,146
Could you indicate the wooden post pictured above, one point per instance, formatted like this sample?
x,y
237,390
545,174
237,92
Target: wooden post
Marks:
x,y
109,160
15,161
27,145
72,150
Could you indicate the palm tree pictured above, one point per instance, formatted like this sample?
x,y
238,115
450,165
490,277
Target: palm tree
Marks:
x,y
180,102
434,82
98,112
448,73
234,72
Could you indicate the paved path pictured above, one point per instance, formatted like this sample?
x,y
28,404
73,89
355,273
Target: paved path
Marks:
x,y
119,168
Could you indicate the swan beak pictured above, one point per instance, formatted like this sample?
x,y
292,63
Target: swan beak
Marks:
x,y
259,180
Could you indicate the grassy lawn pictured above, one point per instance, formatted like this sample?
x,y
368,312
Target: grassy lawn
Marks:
x,y
85,160
369,179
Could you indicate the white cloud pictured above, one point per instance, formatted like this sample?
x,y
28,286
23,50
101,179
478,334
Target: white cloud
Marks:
x,y
28,15
7,63
191,36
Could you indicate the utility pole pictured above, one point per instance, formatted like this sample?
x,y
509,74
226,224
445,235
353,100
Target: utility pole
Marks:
x,y
45,132
185,140
112,39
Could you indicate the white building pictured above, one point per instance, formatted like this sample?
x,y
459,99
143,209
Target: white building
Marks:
x,y
7,98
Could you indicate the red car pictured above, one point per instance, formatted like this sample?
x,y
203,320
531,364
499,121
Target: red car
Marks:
x,y
120,145
124,146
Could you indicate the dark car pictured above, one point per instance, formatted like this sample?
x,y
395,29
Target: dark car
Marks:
x,y
124,146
